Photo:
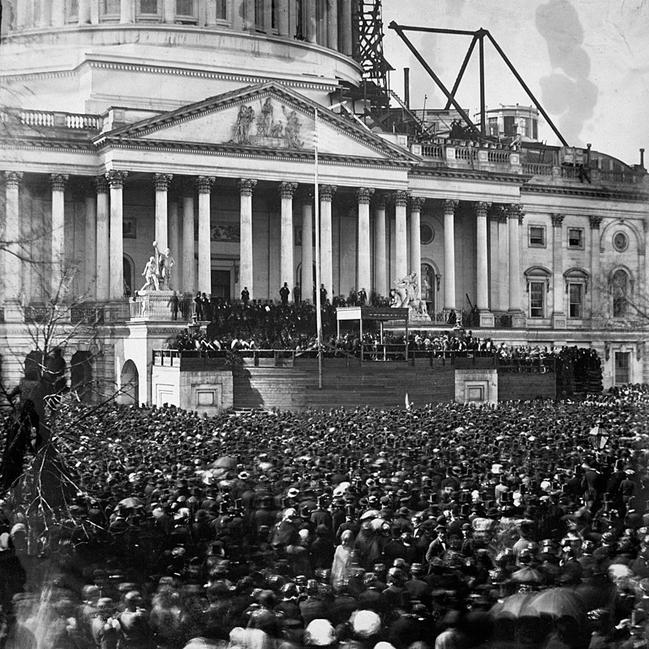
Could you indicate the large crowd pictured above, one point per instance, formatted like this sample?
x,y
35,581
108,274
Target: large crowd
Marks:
x,y
443,527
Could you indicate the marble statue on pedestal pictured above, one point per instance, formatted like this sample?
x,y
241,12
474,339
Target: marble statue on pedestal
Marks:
x,y
405,296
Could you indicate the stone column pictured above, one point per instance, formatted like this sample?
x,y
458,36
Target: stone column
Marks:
x,y
416,203
103,240
116,180
326,239
210,14
58,13
12,265
449,254
161,183
597,283
286,269
168,11
204,186
246,187
500,265
345,20
558,313
189,262
89,283
174,246
515,217
307,250
401,234
332,24
84,12
251,17
58,182
21,15
380,256
364,266
311,31
126,12
482,265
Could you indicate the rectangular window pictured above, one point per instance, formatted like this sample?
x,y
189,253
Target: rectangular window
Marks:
x,y
493,126
185,8
111,7
576,238
509,122
275,9
576,300
148,7
537,299
221,9
260,18
622,368
535,129
71,11
537,236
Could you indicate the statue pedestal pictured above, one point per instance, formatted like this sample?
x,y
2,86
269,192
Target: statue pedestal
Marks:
x,y
417,317
152,305
487,319
518,319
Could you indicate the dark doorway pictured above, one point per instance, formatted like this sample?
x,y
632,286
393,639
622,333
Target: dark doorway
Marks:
x,y
221,284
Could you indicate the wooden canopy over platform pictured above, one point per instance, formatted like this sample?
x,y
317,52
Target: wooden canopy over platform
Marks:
x,y
378,314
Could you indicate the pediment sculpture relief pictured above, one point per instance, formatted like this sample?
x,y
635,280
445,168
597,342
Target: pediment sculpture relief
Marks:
x,y
266,128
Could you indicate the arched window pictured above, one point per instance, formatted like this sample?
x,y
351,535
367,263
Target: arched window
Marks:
x,y
428,286
576,287
620,293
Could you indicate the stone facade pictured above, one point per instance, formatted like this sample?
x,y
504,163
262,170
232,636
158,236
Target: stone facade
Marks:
x,y
109,143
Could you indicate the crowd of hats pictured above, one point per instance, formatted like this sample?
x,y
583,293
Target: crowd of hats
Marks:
x,y
229,528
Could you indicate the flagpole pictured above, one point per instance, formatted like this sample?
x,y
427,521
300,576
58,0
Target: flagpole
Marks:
x,y
316,198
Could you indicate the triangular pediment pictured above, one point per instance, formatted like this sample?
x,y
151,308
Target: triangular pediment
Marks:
x,y
262,117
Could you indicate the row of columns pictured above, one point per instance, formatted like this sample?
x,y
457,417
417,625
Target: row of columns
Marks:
x,y
104,237
330,25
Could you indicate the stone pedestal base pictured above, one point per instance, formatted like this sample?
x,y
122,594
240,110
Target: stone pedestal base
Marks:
x,y
152,305
558,320
518,319
13,311
487,319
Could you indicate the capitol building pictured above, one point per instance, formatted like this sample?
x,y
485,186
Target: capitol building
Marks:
x,y
195,123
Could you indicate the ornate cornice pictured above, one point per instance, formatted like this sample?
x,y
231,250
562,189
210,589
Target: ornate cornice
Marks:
x,y
116,178
58,182
287,190
246,186
13,178
417,203
364,194
327,192
161,182
401,198
603,193
204,184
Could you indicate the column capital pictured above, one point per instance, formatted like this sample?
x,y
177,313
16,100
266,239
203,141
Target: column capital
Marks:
x,y
327,192
481,208
287,189
116,178
515,211
417,203
58,182
450,205
380,199
13,178
204,184
246,186
101,184
557,220
498,213
401,198
162,181
364,194
595,222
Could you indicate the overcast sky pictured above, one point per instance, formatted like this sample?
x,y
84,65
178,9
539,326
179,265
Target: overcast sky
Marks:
x,y
587,62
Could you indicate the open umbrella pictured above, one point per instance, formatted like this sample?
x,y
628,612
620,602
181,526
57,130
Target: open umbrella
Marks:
x,y
224,462
131,503
512,607
558,602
